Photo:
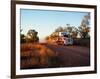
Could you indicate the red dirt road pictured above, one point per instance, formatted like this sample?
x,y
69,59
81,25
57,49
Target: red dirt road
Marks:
x,y
71,56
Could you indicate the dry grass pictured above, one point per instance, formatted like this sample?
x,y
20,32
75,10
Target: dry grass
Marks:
x,y
37,56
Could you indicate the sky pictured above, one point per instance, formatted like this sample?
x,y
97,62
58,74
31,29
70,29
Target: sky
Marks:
x,y
46,21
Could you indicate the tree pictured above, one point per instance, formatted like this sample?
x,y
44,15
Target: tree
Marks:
x,y
71,30
85,20
84,31
59,29
84,28
32,36
22,37
74,32
47,37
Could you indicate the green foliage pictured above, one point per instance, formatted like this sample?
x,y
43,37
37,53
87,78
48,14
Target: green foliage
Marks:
x,y
22,37
59,29
73,31
84,28
30,37
84,31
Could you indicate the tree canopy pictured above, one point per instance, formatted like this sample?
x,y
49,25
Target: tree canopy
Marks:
x,y
30,37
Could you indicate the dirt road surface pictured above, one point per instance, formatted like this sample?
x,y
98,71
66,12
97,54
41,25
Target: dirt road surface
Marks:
x,y
71,56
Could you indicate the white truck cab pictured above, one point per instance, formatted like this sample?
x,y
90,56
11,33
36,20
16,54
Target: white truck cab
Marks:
x,y
64,39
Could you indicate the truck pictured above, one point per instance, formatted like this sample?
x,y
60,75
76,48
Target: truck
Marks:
x,y
64,38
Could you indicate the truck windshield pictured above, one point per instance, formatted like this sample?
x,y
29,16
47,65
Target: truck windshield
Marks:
x,y
65,35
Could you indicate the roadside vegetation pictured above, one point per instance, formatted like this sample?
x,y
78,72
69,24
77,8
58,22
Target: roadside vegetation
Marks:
x,y
80,34
37,56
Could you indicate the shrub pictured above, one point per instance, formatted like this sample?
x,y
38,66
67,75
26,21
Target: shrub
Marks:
x,y
82,42
37,56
